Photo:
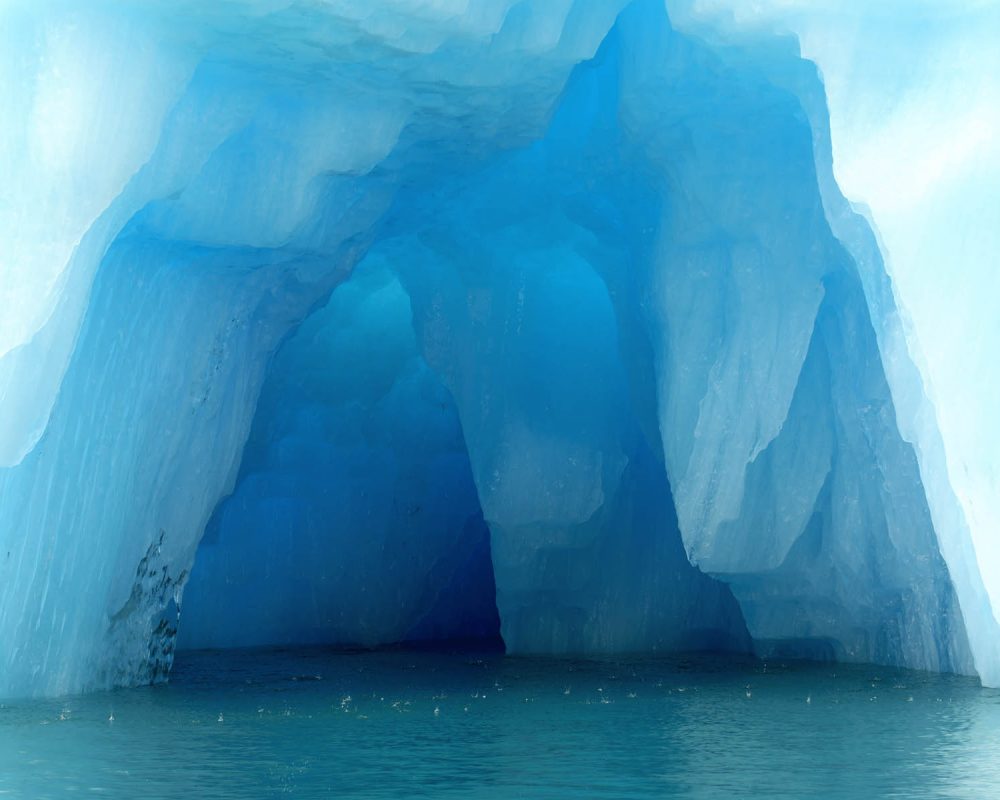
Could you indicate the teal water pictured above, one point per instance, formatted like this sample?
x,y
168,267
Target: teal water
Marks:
x,y
259,724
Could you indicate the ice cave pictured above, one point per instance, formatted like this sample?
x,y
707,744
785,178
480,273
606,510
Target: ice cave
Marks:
x,y
562,326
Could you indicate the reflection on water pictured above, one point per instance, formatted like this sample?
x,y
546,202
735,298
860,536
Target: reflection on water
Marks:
x,y
409,724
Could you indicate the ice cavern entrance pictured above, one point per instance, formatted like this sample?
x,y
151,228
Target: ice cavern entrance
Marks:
x,y
355,518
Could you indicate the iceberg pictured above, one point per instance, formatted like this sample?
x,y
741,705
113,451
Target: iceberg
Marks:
x,y
548,322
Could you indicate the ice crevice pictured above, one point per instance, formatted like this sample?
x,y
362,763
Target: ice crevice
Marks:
x,y
544,325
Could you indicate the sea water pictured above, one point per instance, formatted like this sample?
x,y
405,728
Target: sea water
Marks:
x,y
407,724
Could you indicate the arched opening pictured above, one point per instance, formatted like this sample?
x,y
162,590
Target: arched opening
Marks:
x,y
355,519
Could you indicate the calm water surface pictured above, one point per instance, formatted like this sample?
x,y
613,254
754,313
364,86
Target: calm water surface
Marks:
x,y
258,724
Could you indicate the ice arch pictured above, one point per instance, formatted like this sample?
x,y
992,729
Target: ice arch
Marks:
x,y
354,520
623,260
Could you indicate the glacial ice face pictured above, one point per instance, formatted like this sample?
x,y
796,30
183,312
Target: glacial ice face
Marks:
x,y
913,110
405,320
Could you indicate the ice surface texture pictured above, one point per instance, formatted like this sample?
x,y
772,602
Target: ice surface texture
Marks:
x,y
416,320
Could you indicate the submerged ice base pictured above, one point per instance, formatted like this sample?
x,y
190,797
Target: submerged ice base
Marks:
x,y
362,326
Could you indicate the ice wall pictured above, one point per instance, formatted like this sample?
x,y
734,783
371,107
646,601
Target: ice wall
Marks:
x,y
611,326
913,102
